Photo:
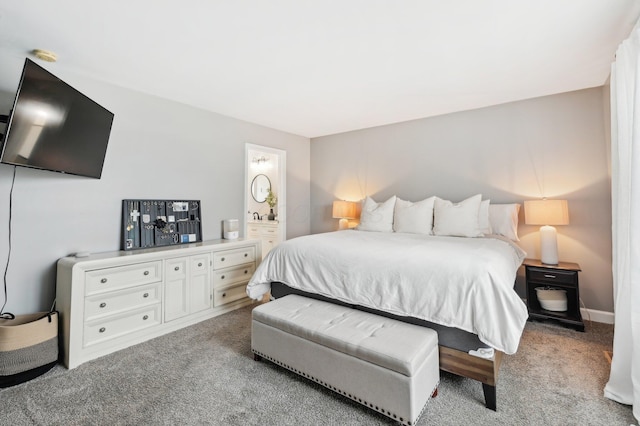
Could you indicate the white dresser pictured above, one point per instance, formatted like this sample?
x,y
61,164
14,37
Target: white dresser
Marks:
x,y
110,301
265,231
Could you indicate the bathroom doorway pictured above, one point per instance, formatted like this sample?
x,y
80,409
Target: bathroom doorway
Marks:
x,y
265,169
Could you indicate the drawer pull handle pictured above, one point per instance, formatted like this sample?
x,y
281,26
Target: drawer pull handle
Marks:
x,y
224,294
104,280
146,272
222,259
246,271
246,255
199,264
102,330
177,268
549,276
102,305
145,295
146,317
222,277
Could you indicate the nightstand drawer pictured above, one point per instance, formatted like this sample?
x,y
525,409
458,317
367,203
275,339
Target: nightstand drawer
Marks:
x,y
547,276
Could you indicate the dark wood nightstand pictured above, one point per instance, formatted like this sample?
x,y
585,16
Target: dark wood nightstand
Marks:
x,y
564,275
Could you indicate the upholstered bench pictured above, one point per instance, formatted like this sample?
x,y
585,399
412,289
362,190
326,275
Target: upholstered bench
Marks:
x,y
387,365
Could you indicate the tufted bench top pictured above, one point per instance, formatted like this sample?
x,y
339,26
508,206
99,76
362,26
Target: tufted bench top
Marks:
x,y
388,343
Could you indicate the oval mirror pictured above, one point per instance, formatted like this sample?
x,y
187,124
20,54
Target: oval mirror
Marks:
x,y
260,187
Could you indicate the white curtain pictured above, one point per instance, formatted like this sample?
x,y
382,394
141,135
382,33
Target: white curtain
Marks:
x,y
624,379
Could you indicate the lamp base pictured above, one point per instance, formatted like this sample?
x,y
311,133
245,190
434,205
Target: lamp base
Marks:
x,y
548,245
343,224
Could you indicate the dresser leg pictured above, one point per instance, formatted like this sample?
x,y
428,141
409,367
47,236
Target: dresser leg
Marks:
x,y
257,357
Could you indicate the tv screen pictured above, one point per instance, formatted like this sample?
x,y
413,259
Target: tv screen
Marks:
x,y
54,127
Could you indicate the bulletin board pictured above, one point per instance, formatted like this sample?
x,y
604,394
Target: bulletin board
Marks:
x,y
154,223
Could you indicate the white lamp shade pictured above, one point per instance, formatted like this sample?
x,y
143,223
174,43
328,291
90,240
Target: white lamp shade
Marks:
x,y
546,212
344,210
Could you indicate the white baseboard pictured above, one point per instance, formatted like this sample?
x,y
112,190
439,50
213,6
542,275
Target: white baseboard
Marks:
x,y
597,316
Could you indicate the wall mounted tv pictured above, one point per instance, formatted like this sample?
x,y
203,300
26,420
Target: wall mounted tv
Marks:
x,y
54,127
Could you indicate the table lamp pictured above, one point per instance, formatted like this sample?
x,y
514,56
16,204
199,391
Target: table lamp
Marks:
x,y
344,210
547,213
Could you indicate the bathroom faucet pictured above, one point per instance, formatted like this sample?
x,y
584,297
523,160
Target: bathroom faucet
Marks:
x,y
256,214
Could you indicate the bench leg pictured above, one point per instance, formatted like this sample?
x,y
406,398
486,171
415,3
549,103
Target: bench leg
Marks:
x,y
257,357
434,393
489,396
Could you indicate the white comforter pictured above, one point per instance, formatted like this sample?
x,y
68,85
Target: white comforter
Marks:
x,y
465,283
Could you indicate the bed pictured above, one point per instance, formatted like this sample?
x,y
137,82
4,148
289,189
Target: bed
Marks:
x,y
461,287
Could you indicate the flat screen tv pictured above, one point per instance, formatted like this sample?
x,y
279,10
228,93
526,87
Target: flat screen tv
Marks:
x,y
54,127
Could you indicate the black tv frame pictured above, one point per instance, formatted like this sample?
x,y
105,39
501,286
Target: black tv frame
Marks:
x,y
45,163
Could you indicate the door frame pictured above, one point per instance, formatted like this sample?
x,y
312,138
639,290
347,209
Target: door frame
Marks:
x,y
282,186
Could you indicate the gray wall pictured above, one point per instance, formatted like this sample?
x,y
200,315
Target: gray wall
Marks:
x,y
553,146
157,149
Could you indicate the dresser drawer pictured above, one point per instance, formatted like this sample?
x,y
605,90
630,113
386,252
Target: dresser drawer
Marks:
x,y
230,276
546,276
229,258
229,294
103,304
111,327
108,279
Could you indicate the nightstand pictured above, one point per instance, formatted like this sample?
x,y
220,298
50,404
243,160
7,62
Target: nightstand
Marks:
x,y
564,276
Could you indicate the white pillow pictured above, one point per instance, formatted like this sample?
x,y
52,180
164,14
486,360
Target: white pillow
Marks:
x,y
483,217
504,220
377,216
414,218
457,220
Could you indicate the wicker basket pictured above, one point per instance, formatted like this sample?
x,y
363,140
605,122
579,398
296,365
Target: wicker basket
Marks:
x,y
552,299
28,347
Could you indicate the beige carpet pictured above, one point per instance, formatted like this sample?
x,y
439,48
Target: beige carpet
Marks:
x,y
205,375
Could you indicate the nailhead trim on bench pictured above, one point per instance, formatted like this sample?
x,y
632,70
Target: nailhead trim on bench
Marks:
x,y
348,395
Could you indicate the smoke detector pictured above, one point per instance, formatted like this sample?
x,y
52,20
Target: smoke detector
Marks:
x,y
45,55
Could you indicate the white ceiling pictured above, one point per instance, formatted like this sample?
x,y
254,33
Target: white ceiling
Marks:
x,y
318,67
